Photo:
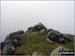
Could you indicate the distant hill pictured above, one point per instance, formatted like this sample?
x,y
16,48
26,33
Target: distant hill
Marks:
x,y
36,40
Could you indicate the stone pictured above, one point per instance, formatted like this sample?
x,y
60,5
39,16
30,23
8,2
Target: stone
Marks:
x,y
2,44
61,40
15,43
7,37
11,42
49,40
55,36
56,51
43,31
38,54
14,34
37,28
8,50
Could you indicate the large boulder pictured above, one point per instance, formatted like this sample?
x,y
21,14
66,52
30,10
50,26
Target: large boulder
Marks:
x,y
14,34
37,28
11,42
56,51
55,36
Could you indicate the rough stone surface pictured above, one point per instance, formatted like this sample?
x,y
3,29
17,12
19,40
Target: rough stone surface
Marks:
x,y
11,42
38,54
2,44
14,34
55,52
54,36
57,36
8,50
37,28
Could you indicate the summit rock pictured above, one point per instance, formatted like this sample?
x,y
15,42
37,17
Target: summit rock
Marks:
x,y
37,28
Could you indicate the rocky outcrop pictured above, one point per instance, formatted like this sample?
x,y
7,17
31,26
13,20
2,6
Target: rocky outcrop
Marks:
x,y
37,28
56,51
8,49
53,35
57,36
14,34
11,42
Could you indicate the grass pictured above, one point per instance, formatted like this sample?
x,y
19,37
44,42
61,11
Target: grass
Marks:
x,y
37,43
70,45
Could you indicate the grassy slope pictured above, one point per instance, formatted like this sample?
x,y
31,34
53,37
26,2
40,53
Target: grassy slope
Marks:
x,y
37,42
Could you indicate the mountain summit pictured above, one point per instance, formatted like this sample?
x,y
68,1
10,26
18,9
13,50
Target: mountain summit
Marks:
x,y
43,42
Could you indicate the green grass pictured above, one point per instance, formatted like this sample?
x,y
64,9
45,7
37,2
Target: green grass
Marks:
x,y
38,43
70,45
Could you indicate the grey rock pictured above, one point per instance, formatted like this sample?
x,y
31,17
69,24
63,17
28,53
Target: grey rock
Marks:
x,y
53,35
57,36
14,34
8,50
2,44
37,28
61,40
38,54
56,51
68,35
11,42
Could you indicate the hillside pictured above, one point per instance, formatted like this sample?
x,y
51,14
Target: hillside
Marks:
x,y
37,43
36,39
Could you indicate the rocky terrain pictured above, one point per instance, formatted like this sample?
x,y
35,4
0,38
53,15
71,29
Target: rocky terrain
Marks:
x,y
36,41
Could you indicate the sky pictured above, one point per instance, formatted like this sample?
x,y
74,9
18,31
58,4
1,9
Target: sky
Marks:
x,y
19,15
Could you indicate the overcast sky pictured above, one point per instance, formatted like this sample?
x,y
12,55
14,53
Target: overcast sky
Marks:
x,y
19,15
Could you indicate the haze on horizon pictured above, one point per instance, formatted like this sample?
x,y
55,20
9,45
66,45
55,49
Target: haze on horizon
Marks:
x,y
19,15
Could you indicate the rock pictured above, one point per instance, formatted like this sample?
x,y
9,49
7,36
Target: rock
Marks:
x,y
11,42
7,37
56,51
17,37
43,31
61,40
68,35
14,34
48,30
2,44
38,54
15,43
8,50
37,28
64,49
49,40
66,38
55,36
